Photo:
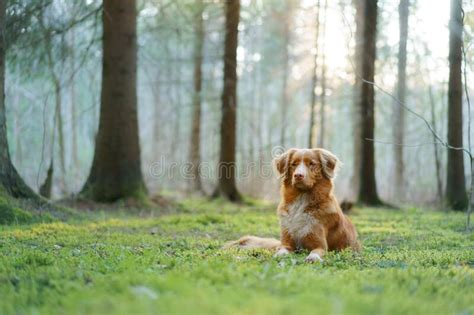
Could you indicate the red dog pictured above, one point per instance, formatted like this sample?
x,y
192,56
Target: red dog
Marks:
x,y
310,216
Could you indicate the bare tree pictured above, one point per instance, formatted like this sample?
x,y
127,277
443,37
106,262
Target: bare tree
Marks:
x,y
226,186
57,84
439,184
195,139
356,121
314,79
285,102
368,187
322,110
72,97
399,112
456,182
116,167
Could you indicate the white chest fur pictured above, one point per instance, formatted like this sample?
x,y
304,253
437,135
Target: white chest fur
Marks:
x,y
296,221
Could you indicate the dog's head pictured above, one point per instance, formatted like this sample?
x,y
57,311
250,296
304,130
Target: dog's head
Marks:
x,y
306,168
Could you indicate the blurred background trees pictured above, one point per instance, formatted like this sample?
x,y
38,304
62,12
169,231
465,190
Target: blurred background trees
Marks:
x,y
298,65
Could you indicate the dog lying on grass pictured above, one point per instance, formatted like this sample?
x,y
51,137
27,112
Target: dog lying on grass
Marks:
x,y
310,216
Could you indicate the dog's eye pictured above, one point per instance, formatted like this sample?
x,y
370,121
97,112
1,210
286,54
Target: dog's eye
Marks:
x,y
294,164
312,163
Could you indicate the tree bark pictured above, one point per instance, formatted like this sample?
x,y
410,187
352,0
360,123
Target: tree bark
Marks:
x,y
116,167
227,166
11,183
368,187
195,145
399,111
314,80
456,194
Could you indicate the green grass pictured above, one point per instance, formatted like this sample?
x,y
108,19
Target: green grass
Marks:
x,y
413,262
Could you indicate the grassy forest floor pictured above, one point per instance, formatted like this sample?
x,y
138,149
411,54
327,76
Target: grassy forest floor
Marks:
x,y
413,262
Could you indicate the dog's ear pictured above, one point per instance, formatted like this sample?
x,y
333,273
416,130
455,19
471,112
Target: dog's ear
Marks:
x,y
281,162
329,163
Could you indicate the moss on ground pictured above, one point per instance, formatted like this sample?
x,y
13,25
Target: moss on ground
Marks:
x,y
15,211
10,213
413,261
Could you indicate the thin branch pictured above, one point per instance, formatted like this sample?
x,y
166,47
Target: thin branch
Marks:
x,y
403,144
397,101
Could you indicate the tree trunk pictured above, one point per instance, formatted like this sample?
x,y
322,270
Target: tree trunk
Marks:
x,y
59,125
314,80
227,167
368,188
399,111
175,149
18,143
439,185
157,111
456,183
322,113
46,188
10,181
356,114
72,92
195,145
116,167
55,79
286,33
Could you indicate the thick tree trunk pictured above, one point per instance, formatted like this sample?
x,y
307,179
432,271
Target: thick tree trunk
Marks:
x,y
116,168
368,188
399,111
10,181
195,145
356,114
456,183
227,166
314,80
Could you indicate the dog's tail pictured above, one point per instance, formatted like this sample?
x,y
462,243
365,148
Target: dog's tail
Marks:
x,y
250,241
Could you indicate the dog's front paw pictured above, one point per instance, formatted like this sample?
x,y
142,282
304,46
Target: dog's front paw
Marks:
x,y
313,257
282,252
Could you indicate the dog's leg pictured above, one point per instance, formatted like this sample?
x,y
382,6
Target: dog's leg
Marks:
x,y
317,244
287,244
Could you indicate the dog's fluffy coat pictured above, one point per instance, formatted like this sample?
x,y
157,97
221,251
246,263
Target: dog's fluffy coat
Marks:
x,y
310,216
